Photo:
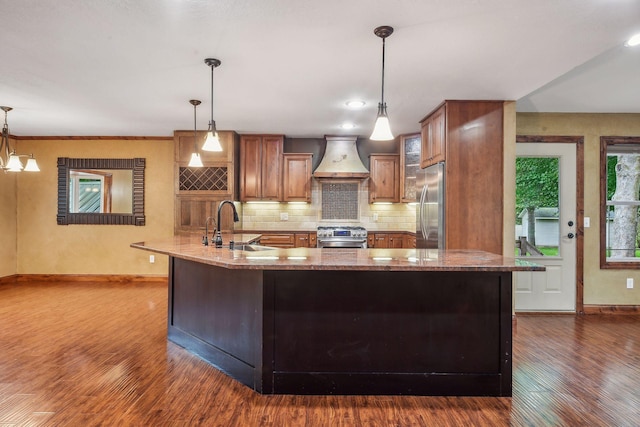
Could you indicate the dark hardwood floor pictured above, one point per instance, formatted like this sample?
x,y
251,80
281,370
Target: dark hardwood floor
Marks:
x,y
96,354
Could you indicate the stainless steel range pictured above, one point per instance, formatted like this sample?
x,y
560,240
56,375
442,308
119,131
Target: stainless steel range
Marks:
x,y
342,236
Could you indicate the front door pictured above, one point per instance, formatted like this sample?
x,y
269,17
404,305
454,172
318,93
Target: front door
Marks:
x,y
546,228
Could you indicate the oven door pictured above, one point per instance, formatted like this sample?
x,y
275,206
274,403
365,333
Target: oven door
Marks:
x,y
335,243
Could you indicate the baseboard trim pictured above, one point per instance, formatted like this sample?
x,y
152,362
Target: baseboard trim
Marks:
x,y
8,279
121,278
611,309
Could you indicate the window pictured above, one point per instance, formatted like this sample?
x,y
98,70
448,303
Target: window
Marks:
x,y
620,202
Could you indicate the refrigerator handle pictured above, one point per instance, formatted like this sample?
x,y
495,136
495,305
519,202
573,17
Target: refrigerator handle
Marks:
x,y
423,197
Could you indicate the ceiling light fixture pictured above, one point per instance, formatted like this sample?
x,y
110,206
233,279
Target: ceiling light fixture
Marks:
x,y
381,130
347,126
633,41
9,160
355,103
196,161
212,143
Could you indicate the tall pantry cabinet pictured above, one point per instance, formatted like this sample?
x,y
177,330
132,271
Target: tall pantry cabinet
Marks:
x,y
469,137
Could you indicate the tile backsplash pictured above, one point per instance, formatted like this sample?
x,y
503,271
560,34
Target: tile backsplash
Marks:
x,y
307,216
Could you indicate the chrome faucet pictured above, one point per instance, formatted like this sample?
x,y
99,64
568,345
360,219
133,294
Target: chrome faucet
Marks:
x,y
235,219
205,238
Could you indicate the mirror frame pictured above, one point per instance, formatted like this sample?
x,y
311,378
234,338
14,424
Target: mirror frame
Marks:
x,y
65,164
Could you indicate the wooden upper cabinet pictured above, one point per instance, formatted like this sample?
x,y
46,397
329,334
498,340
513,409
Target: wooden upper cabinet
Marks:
x,y
410,147
434,138
296,179
260,167
384,178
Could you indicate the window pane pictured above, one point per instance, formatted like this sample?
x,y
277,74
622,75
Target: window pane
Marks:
x,y
537,202
623,181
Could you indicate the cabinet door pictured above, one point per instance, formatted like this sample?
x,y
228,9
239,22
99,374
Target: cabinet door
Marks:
x,y
381,241
434,138
371,240
384,180
396,241
301,240
313,240
425,145
409,241
296,180
438,137
250,168
261,167
271,167
409,166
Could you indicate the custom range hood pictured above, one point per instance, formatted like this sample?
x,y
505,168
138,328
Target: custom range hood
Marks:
x,y
341,160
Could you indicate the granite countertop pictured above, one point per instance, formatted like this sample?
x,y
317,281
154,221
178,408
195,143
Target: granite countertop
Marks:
x,y
189,247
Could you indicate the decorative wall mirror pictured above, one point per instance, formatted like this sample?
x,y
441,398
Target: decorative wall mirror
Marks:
x,y
101,191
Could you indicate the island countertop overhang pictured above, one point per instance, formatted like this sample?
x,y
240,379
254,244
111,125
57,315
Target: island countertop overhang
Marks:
x,y
190,248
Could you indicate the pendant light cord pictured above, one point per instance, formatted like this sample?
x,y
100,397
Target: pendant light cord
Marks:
x,y
195,127
383,44
212,123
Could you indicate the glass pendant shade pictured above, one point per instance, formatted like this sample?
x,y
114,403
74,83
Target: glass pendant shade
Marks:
x,y
382,129
196,161
32,165
212,143
14,164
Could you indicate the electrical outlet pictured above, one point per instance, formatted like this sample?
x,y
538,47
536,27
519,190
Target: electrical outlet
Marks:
x,y
284,216
152,259
629,282
587,222
375,216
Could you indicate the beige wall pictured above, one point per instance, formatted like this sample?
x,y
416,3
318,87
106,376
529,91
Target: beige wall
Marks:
x,y
43,247
8,211
601,287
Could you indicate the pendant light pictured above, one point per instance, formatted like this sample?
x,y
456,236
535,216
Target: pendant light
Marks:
x,y
212,143
9,160
381,130
196,161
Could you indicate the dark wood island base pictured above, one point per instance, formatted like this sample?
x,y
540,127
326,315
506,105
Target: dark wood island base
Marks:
x,y
342,331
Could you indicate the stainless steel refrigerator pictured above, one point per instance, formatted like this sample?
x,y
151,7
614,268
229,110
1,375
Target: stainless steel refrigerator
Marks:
x,y
430,207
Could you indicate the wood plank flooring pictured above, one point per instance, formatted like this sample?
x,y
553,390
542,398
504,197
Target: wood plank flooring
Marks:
x,y
96,354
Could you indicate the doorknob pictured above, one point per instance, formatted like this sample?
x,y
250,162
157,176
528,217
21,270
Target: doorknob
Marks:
x,y
570,223
570,235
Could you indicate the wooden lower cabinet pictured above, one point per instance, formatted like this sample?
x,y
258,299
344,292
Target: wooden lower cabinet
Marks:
x,y
390,240
289,240
278,240
409,241
301,240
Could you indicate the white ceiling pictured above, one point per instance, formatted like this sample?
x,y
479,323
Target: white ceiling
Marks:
x,y
129,67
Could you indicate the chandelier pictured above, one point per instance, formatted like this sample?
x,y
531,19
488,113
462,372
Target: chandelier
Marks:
x,y
9,159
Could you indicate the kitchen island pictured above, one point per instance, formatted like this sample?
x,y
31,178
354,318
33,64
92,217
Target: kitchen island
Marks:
x,y
345,321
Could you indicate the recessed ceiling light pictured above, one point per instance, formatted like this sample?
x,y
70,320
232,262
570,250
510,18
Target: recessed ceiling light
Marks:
x,y
347,126
355,103
633,41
